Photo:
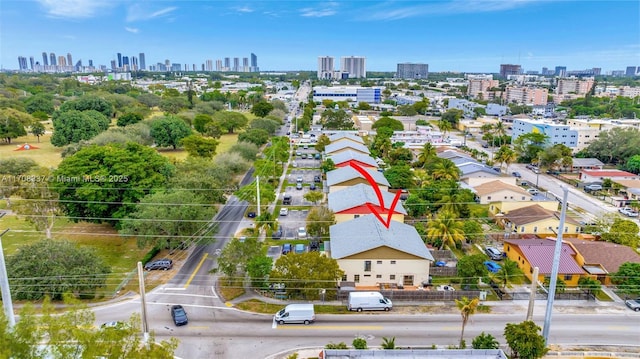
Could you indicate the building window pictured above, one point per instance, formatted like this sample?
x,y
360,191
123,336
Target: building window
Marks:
x,y
393,262
522,229
535,229
488,198
378,276
407,280
344,278
356,216
568,277
367,266
367,275
356,278
378,262
392,277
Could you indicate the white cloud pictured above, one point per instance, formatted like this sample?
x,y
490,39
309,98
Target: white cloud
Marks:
x,y
244,9
329,9
137,13
132,29
74,9
394,10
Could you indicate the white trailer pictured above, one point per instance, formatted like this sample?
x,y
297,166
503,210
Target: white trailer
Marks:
x,y
360,301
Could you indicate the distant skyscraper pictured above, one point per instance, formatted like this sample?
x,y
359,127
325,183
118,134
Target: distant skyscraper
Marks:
x,y
22,63
219,65
354,66
325,67
561,71
134,63
113,65
254,63
78,65
90,63
31,62
52,59
245,64
62,61
209,66
508,69
412,71
45,60
69,59
631,71
236,64
143,64
119,59
227,64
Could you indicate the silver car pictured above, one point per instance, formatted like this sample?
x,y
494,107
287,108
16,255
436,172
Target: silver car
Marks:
x,y
633,304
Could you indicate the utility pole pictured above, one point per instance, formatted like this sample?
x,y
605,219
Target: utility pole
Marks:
x,y
4,285
143,303
532,295
555,267
258,194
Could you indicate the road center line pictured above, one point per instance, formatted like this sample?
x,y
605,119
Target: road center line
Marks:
x,y
196,270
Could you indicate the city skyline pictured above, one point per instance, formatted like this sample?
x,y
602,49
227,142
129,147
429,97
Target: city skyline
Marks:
x,y
463,36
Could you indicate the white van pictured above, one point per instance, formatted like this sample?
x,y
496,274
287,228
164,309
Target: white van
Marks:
x,y
296,313
360,301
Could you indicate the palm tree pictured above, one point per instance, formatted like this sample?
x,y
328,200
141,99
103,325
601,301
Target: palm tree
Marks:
x,y
444,126
505,155
445,227
508,271
427,153
446,170
467,308
422,178
500,131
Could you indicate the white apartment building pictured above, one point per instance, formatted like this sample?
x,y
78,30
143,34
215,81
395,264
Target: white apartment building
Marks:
x,y
355,66
325,67
529,96
574,85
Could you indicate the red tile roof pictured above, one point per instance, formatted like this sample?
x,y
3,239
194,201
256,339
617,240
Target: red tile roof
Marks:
x,y
610,255
608,173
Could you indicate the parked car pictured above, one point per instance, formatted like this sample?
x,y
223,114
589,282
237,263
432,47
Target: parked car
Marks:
x,y
493,253
516,174
284,211
302,232
312,186
445,288
251,214
114,325
160,264
304,156
317,179
629,212
298,186
314,245
299,179
277,234
299,248
441,264
533,191
593,187
286,248
492,267
633,304
179,315
286,199
316,156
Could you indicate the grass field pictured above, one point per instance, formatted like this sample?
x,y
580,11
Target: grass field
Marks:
x,y
47,155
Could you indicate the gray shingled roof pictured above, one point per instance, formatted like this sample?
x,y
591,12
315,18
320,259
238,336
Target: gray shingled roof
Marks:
x,y
344,174
333,147
353,155
358,195
350,136
476,167
367,232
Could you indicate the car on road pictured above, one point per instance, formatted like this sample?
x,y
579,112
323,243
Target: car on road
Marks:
x,y
179,315
629,212
160,264
492,267
284,211
535,170
633,304
593,187
302,232
493,253
516,174
114,325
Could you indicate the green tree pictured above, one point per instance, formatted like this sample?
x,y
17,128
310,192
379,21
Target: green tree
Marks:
x,y
471,268
229,120
173,105
627,142
40,205
623,231
505,156
485,341
319,220
323,141
359,343
87,103
327,165
61,267
262,108
467,308
258,269
201,121
427,154
247,150
206,179
162,218
446,228
103,183
37,129
129,118
400,156
528,145
13,123
257,136
399,176
633,164
42,102
508,272
336,120
472,230
313,196
525,340
416,206
74,126
236,255
593,286
446,170
445,126
266,124
452,116
627,278
306,273
392,123
150,100
249,193
199,146
169,131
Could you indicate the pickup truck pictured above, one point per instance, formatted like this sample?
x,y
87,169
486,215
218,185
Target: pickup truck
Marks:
x,y
629,212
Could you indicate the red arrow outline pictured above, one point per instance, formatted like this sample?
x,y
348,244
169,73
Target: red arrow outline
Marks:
x,y
375,187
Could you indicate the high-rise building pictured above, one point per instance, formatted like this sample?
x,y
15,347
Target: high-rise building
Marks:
x,y
119,60
125,61
227,64
561,71
219,65
354,66
325,67
209,65
236,64
412,71
143,64
631,71
508,69
69,59
45,60
134,63
22,63
62,61
113,65
245,64
31,62
52,59
254,63
90,63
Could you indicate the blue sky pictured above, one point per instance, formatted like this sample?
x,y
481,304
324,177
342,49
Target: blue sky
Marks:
x,y
459,35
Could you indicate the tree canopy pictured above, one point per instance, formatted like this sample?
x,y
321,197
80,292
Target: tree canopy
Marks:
x,y
627,145
13,123
74,126
525,341
305,273
392,123
169,131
